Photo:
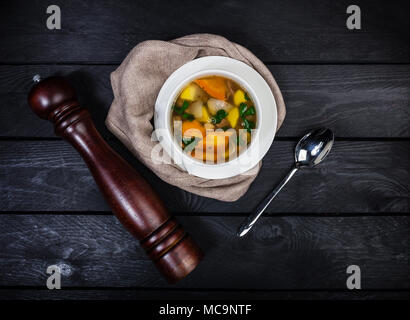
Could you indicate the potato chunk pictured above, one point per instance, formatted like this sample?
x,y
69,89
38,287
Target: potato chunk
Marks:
x,y
233,117
192,92
239,97
199,111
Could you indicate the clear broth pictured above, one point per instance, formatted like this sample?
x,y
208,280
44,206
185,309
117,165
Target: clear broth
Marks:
x,y
212,119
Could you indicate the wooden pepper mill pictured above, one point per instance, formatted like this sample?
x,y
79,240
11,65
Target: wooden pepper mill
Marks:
x,y
130,197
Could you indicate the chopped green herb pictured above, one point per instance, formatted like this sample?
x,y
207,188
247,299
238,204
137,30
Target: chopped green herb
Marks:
x,y
242,108
185,105
219,116
181,110
188,116
248,125
221,113
247,97
188,140
191,144
249,112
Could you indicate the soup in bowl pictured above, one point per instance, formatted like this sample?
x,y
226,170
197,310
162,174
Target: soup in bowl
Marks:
x,y
212,119
215,117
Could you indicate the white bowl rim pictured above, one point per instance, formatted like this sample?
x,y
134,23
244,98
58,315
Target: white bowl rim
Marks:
x,y
258,90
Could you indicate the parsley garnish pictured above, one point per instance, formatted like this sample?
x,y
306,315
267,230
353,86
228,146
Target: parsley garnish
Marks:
x,y
248,125
219,116
242,108
249,112
188,116
181,110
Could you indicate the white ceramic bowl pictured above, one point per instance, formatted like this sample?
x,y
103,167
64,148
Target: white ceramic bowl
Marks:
x,y
260,94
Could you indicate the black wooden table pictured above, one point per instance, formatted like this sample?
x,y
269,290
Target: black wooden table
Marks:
x,y
351,210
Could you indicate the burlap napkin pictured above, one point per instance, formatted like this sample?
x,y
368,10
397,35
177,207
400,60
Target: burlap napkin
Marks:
x,y
136,84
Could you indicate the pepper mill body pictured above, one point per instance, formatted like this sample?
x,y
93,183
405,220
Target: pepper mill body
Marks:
x,y
130,197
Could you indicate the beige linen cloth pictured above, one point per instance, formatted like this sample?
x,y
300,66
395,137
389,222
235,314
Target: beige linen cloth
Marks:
x,y
136,84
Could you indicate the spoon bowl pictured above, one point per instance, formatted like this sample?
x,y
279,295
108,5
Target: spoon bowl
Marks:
x,y
313,147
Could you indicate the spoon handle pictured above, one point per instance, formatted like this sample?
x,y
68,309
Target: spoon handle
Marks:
x,y
248,223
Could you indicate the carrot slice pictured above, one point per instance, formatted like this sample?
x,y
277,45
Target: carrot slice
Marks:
x,y
194,124
213,147
215,87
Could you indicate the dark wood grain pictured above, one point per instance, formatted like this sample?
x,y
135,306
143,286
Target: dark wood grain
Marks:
x,y
353,100
353,209
279,31
357,177
282,253
142,294
92,84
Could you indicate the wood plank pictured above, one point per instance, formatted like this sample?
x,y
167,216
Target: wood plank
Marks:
x,y
92,84
283,253
279,31
358,177
354,100
142,294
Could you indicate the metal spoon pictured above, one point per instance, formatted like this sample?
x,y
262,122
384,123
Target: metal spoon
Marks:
x,y
309,151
